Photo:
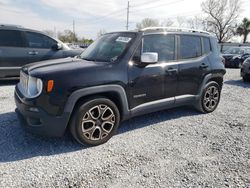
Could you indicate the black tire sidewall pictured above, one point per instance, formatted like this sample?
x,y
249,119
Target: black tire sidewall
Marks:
x,y
83,109
203,94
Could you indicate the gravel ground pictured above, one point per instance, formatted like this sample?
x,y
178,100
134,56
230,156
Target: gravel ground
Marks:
x,y
173,148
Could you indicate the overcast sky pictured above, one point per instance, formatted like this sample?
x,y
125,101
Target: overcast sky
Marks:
x,y
93,15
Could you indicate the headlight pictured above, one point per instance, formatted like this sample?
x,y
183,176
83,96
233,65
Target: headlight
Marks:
x,y
35,87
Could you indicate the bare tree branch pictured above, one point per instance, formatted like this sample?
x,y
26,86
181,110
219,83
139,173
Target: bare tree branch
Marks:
x,y
221,16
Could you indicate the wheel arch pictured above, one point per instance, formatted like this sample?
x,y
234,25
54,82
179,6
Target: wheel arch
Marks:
x,y
115,93
212,77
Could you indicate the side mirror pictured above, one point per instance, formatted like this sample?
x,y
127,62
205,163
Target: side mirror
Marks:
x,y
149,58
57,46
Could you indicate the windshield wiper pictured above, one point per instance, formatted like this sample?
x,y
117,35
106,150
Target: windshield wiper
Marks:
x,y
87,59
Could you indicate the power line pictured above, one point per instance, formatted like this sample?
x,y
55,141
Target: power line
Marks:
x,y
152,7
108,15
147,2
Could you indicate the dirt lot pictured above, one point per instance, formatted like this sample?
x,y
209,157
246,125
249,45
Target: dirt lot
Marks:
x,y
173,148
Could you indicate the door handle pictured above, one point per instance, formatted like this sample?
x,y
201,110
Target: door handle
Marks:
x,y
171,71
33,53
203,66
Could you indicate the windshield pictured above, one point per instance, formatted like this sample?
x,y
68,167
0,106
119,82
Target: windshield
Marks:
x,y
237,51
109,47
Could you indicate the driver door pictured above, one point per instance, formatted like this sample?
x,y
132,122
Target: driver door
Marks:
x,y
153,82
40,47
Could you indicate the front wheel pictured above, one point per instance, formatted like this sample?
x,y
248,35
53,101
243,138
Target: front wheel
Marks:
x,y
95,121
245,79
210,98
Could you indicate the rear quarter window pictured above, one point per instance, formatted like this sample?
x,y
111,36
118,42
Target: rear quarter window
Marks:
x,y
11,38
190,47
206,45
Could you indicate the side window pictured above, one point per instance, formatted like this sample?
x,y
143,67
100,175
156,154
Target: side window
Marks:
x,y
37,40
247,51
137,55
164,45
206,45
11,38
190,47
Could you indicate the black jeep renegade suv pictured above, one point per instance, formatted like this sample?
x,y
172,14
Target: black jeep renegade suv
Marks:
x,y
121,75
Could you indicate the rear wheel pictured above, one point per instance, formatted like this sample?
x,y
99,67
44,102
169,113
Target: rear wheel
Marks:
x,y
95,121
210,98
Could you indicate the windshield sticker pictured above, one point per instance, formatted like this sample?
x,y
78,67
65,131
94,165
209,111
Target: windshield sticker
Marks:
x,y
123,39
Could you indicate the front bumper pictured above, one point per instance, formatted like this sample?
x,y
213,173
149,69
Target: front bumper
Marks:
x,y
37,120
231,63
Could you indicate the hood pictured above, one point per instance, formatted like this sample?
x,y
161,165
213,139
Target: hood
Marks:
x,y
228,56
58,65
73,52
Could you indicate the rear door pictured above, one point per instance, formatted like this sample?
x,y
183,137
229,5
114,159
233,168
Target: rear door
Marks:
x,y
13,54
193,63
40,47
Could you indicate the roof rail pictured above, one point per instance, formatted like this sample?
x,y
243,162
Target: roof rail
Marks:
x,y
10,25
174,29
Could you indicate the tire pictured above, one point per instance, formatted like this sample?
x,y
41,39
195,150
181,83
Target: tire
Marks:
x,y
95,121
237,63
245,79
210,98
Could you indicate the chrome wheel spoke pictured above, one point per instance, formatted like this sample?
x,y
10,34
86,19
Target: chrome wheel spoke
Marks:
x,y
211,98
95,112
209,91
98,122
107,114
210,105
87,117
206,100
107,126
96,134
88,127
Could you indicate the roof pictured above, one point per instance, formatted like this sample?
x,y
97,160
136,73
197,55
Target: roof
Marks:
x,y
10,26
174,29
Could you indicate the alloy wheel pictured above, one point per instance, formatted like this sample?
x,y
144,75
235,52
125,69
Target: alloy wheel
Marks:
x,y
98,122
211,98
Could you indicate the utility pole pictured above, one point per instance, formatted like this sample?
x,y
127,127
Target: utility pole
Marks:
x,y
55,34
127,16
74,29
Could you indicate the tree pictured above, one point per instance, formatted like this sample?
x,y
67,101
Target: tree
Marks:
x,y
180,21
167,22
101,32
197,23
49,32
147,22
244,29
85,41
67,36
221,17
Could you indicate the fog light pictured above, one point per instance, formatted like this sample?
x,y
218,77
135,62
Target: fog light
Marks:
x,y
33,109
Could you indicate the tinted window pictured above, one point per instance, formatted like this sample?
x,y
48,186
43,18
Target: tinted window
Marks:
x,y
206,45
190,47
11,38
36,40
164,45
108,47
137,54
237,50
247,51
